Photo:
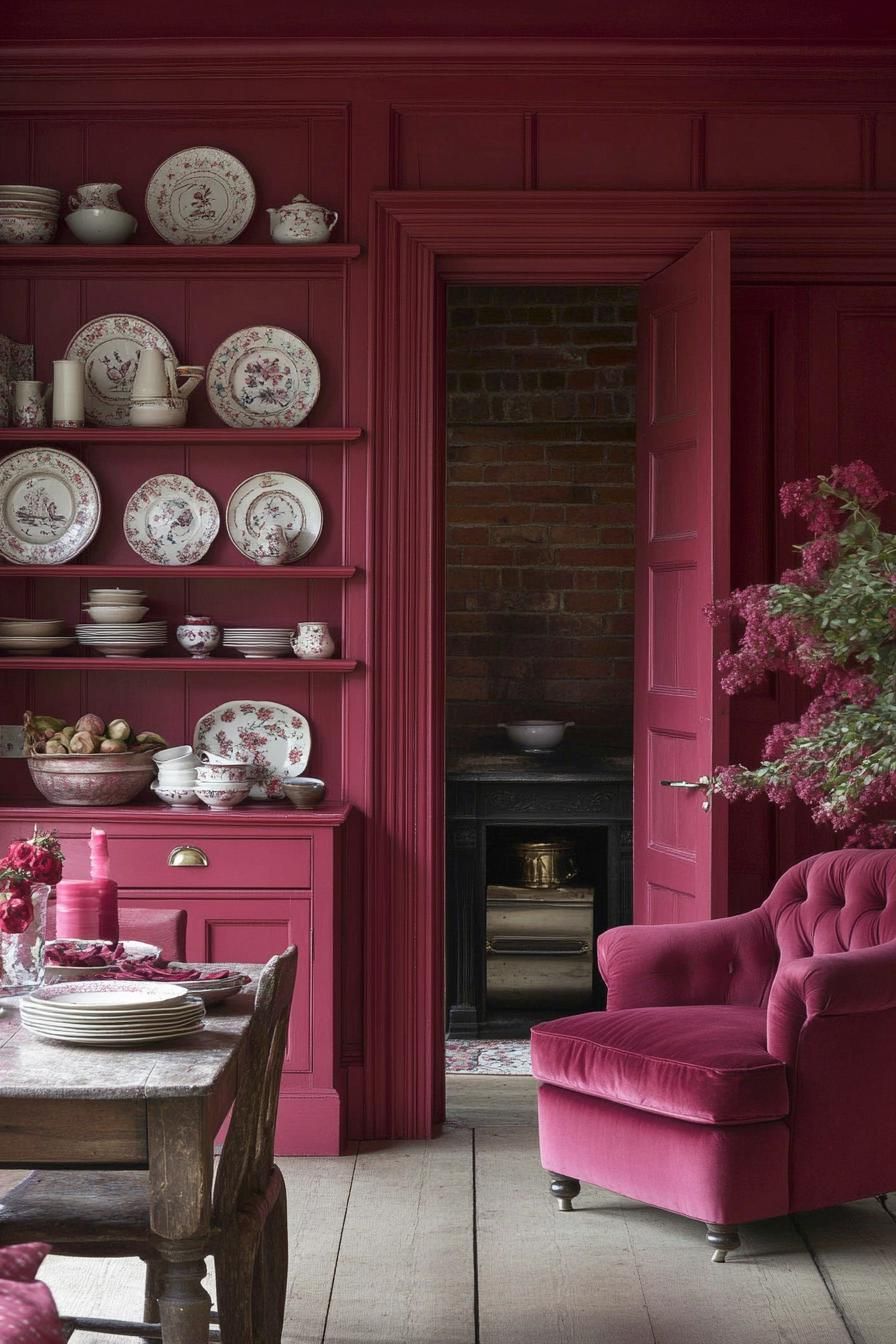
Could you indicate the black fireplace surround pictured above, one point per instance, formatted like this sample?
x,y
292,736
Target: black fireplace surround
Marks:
x,y
574,793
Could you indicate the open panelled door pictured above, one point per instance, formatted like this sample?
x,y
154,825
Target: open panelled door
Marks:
x,y
682,546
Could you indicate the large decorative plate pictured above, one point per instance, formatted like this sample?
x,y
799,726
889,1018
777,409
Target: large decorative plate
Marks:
x,y
275,738
110,348
263,378
200,195
274,499
170,520
49,507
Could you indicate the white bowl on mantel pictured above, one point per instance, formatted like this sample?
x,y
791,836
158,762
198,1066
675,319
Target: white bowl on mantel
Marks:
x,y
536,734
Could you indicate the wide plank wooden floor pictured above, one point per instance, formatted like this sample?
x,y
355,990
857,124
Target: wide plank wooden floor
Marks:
x,y
456,1241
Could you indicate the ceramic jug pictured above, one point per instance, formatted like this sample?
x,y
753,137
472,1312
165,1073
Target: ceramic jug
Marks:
x,y
313,641
157,399
270,547
95,195
302,222
29,403
151,379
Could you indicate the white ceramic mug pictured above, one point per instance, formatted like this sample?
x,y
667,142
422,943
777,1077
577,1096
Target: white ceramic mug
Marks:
x,y
68,393
29,403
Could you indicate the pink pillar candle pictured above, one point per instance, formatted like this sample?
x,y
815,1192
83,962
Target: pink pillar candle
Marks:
x,y
99,853
87,908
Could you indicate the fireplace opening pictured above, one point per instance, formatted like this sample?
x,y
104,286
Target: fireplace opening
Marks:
x,y
540,397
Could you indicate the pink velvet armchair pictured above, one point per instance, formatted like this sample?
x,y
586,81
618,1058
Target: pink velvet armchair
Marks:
x,y
745,1067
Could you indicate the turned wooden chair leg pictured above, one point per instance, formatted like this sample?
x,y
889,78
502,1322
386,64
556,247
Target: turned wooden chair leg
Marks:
x,y
151,1294
564,1189
269,1282
723,1238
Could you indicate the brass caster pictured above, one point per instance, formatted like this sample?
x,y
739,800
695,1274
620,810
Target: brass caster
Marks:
x,y
564,1189
719,1257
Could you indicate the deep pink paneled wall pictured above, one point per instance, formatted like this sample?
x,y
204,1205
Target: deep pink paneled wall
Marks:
x,y
340,124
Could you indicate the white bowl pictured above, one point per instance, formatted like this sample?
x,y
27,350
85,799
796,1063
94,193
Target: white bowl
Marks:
x,y
113,596
234,772
99,225
183,755
17,626
536,734
221,797
175,795
117,614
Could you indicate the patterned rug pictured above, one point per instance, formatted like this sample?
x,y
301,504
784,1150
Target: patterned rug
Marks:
x,y
488,1057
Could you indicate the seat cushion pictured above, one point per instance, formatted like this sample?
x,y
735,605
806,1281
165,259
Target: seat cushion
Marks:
x,y
706,1064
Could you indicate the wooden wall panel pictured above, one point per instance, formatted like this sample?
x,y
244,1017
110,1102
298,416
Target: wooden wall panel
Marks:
x,y
613,150
476,150
15,137
783,151
885,151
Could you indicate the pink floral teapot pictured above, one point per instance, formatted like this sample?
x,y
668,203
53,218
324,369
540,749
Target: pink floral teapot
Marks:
x,y
302,222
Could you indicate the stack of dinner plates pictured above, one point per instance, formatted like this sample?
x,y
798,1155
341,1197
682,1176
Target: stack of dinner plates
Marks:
x,y
111,1012
124,640
212,991
258,643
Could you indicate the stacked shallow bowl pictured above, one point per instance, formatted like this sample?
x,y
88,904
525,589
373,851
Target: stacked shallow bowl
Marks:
x,y
117,627
177,776
28,215
258,642
29,637
111,1013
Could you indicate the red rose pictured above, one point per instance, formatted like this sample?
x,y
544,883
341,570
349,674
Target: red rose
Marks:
x,y
43,866
16,910
21,854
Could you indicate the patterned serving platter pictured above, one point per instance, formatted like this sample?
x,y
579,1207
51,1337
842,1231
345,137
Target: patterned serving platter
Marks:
x,y
110,348
200,195
170,520
274,499
263,378
49,507
274,738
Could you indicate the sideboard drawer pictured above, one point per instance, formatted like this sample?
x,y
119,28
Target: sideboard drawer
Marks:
x,y
232,861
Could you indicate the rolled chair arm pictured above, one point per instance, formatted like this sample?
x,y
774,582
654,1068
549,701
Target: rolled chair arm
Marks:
x,y
714,961
831,984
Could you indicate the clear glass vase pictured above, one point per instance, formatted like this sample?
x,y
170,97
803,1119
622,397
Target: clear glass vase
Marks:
x,y
22,954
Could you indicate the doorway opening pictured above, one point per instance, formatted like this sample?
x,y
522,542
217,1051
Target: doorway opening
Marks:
x,y
540,396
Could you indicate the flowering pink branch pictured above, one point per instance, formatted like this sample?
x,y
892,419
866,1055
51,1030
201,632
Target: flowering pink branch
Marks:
x,y
830,623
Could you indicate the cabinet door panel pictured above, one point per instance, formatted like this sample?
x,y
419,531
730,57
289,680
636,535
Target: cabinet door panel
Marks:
x,y
223,928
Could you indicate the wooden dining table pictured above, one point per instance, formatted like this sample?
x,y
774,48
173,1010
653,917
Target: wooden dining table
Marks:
x,y
155,1108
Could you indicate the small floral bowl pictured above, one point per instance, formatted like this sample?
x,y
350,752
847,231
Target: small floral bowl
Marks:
x,y
231,772
175,795
27,229
221,797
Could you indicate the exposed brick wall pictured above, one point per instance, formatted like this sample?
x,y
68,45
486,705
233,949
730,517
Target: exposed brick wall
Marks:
x,y
541,387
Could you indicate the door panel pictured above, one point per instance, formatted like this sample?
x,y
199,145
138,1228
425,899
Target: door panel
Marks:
x,y
681,716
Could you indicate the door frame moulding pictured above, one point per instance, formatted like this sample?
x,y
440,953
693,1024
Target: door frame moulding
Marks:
x,y
418,242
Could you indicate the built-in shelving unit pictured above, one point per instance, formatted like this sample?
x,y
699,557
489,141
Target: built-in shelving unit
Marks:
x,y
223,434
129,256
205,665
307,573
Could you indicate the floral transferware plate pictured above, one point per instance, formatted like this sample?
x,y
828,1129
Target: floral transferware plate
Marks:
x,y
263,378
110,348
275,738
49,507
170,520
200,195
269,500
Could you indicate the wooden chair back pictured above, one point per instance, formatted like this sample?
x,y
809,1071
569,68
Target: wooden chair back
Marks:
x,y
247,1158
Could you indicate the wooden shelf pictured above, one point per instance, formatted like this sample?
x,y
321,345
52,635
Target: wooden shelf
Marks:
x,y
181,664
276,812
167,255
224,434
306,572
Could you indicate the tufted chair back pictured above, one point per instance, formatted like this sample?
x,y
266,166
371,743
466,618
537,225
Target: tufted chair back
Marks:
x,y
833,903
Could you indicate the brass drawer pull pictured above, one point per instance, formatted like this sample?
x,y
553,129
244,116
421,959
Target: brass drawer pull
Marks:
x,y
187,856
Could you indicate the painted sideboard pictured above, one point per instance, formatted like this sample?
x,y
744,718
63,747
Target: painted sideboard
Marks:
x,y
253,884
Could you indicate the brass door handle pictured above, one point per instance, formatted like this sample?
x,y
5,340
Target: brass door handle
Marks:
x,y
187,856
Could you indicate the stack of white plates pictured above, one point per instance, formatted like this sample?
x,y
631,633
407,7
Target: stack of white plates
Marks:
x,y
258,642
28,214
23,635
110,1012
123,641
116,597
